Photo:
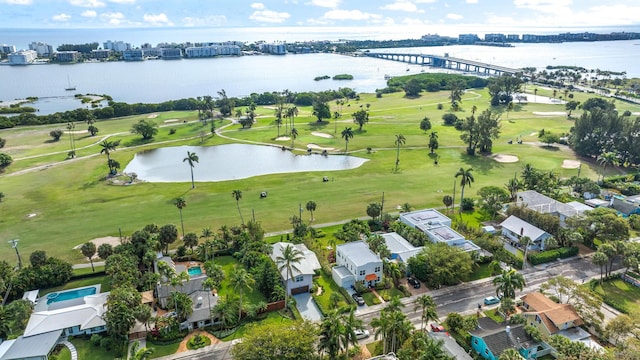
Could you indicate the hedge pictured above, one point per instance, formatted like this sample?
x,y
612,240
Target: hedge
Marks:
x,y
550,255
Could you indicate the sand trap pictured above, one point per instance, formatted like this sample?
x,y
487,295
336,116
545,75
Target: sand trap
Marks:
x,y
317,147
502,158
550,113
635,113
152,116
570,164
32,215
77,132
535,133
270,107
113,240
283,138
171,121
322,135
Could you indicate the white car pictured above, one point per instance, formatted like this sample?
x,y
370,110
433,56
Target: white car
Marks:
x,y
361,334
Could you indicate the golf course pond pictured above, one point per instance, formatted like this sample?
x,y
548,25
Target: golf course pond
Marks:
x,y
230,162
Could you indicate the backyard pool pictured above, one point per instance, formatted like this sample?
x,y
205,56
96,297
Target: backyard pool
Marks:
x,y
194,271
70,294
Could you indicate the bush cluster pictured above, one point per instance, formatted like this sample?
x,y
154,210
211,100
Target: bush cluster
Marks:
x,y
550,255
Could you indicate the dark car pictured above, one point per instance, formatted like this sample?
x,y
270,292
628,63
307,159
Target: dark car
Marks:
x,y
358,299
414,282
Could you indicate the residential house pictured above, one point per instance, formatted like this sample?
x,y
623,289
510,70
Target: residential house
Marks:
x,y
627,205
552,318
302,272
356,263
56,316
515,228
490,339
543,204
399,247
438,228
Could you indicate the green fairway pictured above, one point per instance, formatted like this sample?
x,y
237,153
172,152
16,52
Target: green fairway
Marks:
x,y
57,207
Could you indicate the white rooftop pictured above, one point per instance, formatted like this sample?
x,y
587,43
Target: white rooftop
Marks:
x,y
358,252
307,266
396,243
579,207
31,347
424,216
522,228
442,233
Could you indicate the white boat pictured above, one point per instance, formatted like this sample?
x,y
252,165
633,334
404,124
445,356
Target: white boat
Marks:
x,y
69,87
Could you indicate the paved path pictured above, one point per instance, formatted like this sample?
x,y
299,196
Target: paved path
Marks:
x,y
72,349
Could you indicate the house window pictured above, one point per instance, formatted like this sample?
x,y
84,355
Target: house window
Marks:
x,y
486,351
299,278
377,269
475,341
538,319
362,272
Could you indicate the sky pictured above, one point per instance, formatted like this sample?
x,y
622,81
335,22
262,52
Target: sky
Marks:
x,y
446,17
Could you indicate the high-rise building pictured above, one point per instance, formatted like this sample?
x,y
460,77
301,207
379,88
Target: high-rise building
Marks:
x,y
7,49
43,49
118,46
22,57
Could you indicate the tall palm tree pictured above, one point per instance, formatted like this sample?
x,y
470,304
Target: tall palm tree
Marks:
x,y
513,186
466,179
400,140
381,326
237,194
209,284
292,112
507,283
349,325
138,353
181,203
433,141
206,234
608,158
191,158
347,134
330,334
311,207
510,354
428,307
287,261
241,280
599,258
107,147
294,136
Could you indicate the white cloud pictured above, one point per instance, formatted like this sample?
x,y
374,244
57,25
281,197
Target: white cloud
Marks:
x,y
17,2
89,13
400,5
214,20
257,6
349,15
269,16
326,3
157,19
454,16
87,3
113,18
61,17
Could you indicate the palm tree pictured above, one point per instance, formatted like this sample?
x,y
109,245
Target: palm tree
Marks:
x,y
507,283
608,158
191,158
400,140
510,354
311,207
535,94
347,134
287,261
291,114
138,353
433,141
513,186
190,240
241,280
447,200
330,333
107,147
381,328
237,194
599,258
294,136
466,179
181,203
428,307
349,325
88,249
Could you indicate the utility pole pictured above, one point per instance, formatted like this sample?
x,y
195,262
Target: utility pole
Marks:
x,y
382,205
14,244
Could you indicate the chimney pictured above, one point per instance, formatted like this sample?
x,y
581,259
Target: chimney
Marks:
x,y
521,231
507,329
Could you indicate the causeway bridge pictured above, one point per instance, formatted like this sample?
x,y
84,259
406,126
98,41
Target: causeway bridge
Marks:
x,y
445,62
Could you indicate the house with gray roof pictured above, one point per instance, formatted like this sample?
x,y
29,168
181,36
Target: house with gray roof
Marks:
x,y
302,272
543,204
515,228
356,263
399,247
491,339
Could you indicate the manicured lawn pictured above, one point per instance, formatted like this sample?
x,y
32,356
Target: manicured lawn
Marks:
x,y
228,263
163,350
273,317
370,299
87,351
73,204
102,280
64,354
389,293
329,287
481,272
84,271
493,314
619,292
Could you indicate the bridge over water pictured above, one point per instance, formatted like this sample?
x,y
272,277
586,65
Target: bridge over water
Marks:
x,y
446,62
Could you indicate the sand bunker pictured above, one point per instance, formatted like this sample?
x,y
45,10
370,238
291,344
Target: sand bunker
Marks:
x,y
550,113
322,135
283,138
635,113
570,164
502,158
152,116
171,121
112,240
317,147
77,132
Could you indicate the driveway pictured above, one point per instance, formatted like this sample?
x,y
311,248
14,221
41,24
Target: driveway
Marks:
x,y
307,307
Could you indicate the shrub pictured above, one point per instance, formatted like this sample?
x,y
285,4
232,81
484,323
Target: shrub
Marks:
x,y
449,118
172,131
467,204
95,340
550,255
440,106
198,341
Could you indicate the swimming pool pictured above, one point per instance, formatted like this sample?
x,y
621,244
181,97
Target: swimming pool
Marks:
x,y
70,294
194,271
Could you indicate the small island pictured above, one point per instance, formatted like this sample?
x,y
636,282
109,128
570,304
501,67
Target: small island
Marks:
x,y
343,77
324,77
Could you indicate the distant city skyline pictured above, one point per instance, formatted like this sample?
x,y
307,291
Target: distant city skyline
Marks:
x,y
446,17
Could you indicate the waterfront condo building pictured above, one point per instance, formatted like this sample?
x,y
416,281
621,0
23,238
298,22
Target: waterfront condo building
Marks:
x,y
22,57
43,49
101,54
67,56
171,53
7,49
117,46
133,55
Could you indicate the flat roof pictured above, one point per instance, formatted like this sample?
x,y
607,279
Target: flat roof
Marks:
x,y
425,216
467,246
342,272
358,252
441,233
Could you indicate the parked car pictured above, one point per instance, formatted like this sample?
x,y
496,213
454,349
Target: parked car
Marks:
x,y
437,327
361,334
415,282
491,300
358,299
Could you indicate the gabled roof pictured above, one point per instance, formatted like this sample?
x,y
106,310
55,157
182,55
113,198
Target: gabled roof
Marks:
x,y
307,266
537,301
499,337
86,315
396,243
552,314
522,228
358,252
25,347
543,204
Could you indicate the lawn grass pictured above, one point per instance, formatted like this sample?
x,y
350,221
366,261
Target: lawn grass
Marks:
x,y
370,299
87,270
493,314
390,293
480,272
620,293
273,317
102,280
228,263
73,204
163,350
64,354
328,287
375,348
87,351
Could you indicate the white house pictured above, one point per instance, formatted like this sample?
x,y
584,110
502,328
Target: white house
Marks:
x,y
399,247
543,204
305,270
356,263
438,228
419,218
515,228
